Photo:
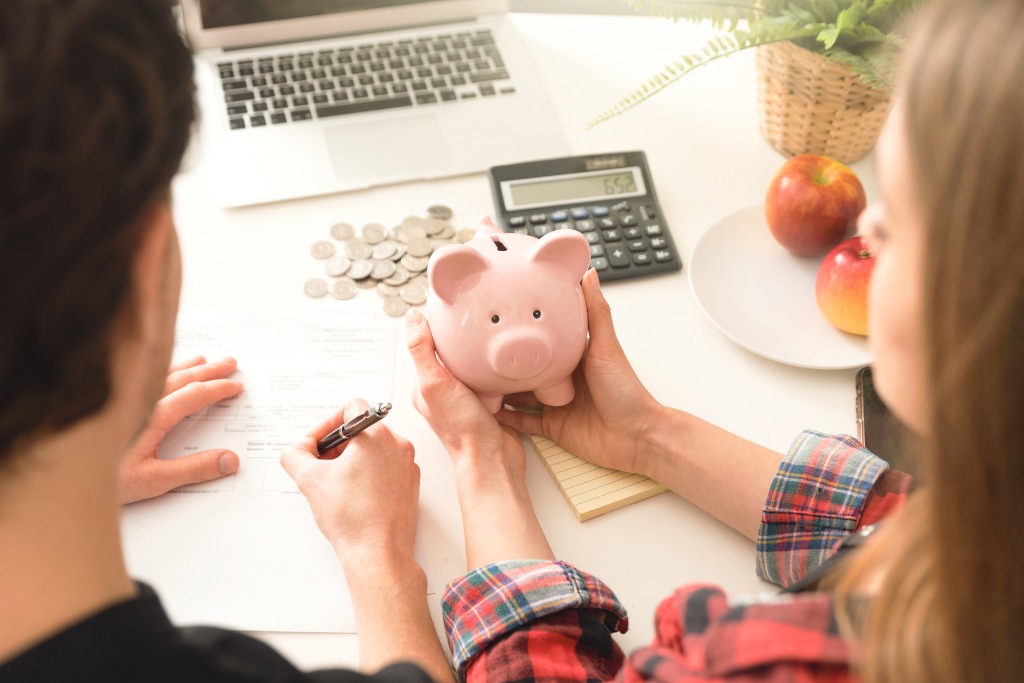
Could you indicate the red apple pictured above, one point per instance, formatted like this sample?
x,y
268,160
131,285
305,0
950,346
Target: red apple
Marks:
x,y
813,203
841,288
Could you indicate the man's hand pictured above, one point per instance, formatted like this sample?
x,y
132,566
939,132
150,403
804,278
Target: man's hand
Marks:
x,y
191,386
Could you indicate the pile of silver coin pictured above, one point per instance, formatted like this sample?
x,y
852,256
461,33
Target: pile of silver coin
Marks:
x,y
394,262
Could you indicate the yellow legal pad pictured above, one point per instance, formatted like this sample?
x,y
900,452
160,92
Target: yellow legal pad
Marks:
x,y
592,490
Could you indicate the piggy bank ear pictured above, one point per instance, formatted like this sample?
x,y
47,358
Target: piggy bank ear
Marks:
x,y
451,266
567,252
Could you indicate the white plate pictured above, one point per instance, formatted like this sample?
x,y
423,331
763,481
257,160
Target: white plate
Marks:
x,y
762,297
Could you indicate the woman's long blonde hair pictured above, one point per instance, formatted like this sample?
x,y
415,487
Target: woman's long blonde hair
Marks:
x,y
950,604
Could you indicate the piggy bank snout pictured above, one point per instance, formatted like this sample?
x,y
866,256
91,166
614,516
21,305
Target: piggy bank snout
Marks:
x,y
519,356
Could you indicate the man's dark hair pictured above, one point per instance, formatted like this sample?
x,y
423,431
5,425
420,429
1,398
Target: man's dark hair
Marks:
x,y
97,105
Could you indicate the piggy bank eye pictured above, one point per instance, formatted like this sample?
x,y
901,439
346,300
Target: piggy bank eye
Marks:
x,y
495,319
536,313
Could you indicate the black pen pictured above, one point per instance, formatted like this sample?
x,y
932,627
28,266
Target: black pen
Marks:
x,y
368,417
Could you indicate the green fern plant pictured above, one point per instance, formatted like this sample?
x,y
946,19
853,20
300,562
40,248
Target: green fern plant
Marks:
x,y
862,34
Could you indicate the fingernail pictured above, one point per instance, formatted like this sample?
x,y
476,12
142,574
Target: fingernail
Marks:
x,y
413,318
227,463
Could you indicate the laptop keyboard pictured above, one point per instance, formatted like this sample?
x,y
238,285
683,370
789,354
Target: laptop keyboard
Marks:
x,y
324,83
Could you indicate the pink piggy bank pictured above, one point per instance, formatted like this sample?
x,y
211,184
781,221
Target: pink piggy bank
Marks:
x,y
507,313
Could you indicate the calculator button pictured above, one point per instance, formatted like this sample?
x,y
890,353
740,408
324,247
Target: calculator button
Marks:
x,y
593,237
598,211
633,233
658,243
599,263
662,255
521,231
627,220
642,259
517,221
541,230
606,223
596,250
618,257
612,236
652,230
647,212
559,216
538,218
585,225
579,213
567,225
621,206
637,245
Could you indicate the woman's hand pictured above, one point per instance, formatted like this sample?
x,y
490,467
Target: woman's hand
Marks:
x,y
191,386
611,416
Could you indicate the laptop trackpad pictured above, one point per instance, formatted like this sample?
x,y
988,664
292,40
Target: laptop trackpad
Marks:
x,y
384,148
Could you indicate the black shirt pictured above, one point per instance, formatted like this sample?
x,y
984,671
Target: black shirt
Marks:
x,y
135,642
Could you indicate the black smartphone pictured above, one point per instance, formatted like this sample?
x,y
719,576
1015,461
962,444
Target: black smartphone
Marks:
x,y
879,430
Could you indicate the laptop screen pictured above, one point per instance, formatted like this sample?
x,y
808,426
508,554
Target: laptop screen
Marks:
x,y
223,13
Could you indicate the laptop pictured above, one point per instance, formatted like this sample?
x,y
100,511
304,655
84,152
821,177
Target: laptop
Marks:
x,y
309,97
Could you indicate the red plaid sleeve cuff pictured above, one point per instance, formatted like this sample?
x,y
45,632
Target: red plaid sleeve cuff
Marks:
x,y
488,603
817,497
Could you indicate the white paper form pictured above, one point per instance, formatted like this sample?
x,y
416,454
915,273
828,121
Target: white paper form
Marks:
x,y
243,552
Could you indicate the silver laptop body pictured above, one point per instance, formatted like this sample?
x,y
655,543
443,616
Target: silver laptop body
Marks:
x,y
309,97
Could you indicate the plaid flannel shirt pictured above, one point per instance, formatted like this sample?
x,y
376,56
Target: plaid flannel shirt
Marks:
x,y
533,620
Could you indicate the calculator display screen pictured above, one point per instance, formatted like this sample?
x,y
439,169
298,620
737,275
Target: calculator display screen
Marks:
x,y
568,189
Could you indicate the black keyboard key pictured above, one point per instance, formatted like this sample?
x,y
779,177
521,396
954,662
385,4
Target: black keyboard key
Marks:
x,y
258,120
237,123
278,79
301,115
399,88
280,104
359,93
233,85
484,77
487,90
366,80
359,107
339,96
320,99
508,90
300,101
307,88
448,95
266,93
438,83
286,90
278,117
236,109
239,96
426,98
259,106
419,85
379,90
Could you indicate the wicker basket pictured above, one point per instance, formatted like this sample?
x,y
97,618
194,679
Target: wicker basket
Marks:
x,y
809,104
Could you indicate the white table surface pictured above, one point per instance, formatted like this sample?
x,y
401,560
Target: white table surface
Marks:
x,y
708,160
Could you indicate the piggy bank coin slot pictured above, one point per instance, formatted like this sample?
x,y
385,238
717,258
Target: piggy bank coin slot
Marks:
x,y
499,243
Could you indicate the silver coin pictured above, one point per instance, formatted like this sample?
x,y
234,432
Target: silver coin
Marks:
x,y
385,290
337,266
366,283
357,249
434,225
315,288
405,233
420,246
342,231
420,279
415,264
374,232
400,251
360,268
322,250
382,269
440,211
447,232
412,222
395,307
413,294
344,288
466,234
384,250
400,277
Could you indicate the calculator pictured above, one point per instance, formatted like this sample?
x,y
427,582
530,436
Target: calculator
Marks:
x,y
609,198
